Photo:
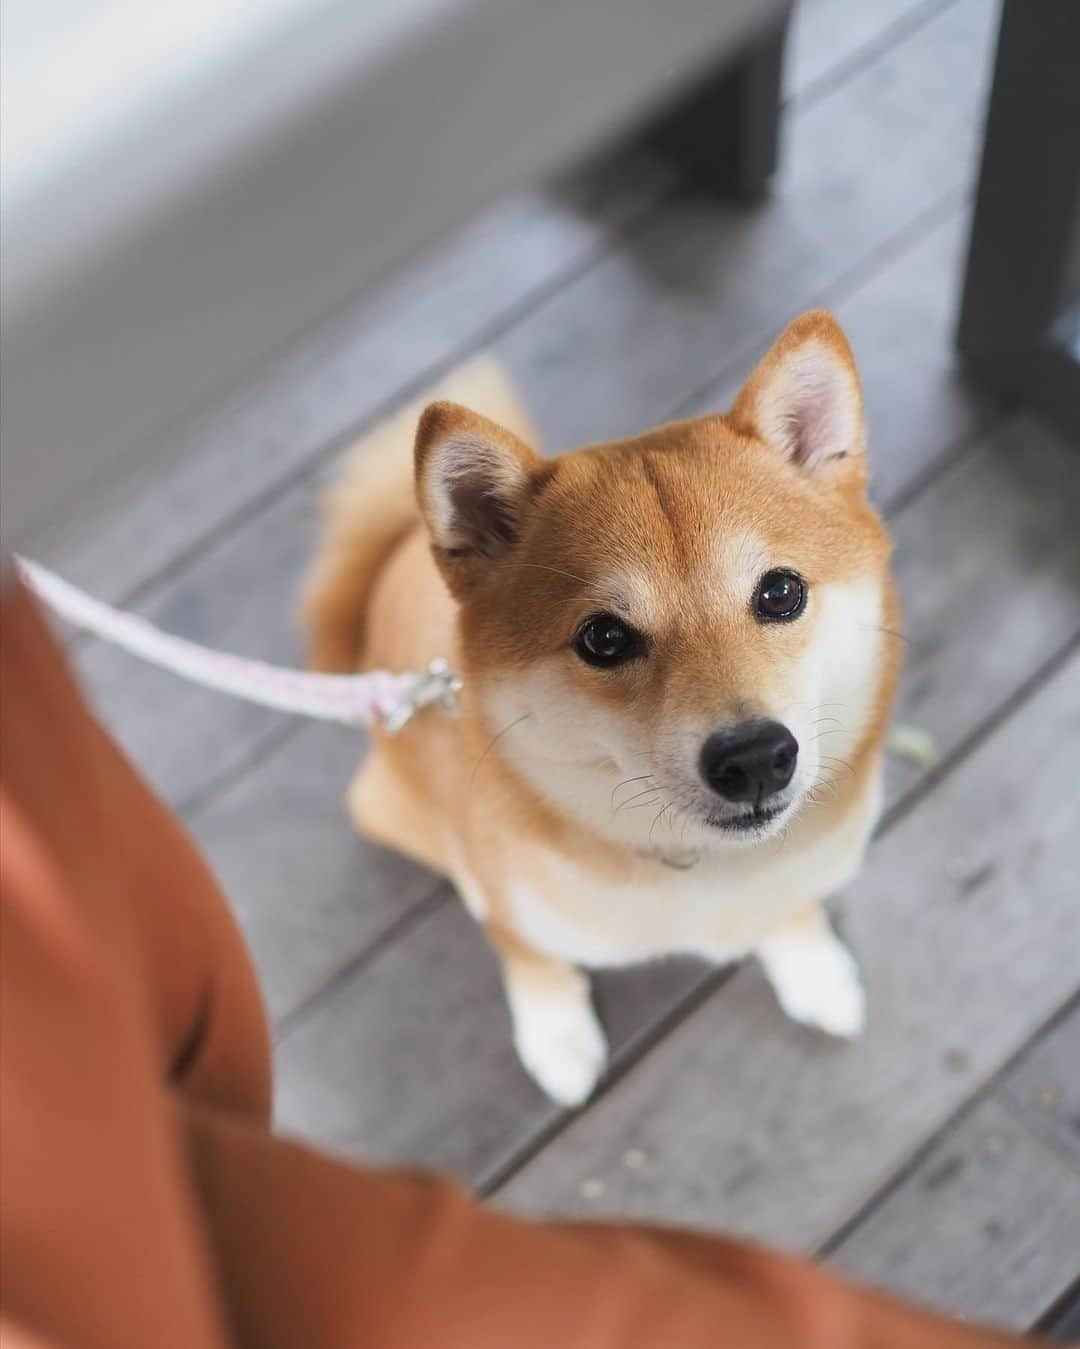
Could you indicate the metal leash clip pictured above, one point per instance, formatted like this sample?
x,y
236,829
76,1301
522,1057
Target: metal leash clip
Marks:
x,y
436,684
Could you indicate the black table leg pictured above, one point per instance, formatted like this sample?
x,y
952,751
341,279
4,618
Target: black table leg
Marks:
x,y
1019,330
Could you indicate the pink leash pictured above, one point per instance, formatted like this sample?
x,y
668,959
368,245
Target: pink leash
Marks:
x,y
355,700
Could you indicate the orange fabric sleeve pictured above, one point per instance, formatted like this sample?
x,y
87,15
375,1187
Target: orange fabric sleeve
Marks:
x,y
316,1253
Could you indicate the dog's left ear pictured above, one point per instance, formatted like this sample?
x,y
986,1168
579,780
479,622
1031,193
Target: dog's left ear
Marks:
x,y
804,396
474,482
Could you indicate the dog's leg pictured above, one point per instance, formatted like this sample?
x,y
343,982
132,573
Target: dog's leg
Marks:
x,y
814,975
556,1032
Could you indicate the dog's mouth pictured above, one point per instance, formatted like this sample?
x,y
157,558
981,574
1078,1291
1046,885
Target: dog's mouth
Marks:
x,y
748,824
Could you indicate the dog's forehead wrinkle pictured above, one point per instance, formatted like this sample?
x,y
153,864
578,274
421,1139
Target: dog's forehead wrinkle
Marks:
x,y
653,477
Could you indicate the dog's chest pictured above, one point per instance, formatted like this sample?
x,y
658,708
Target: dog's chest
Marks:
x,y
720,908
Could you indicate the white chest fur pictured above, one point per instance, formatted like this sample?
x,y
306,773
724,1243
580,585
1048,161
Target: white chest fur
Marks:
x,y
721,908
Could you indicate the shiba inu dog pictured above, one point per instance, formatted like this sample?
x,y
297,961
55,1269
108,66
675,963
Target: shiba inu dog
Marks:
x,y
678,667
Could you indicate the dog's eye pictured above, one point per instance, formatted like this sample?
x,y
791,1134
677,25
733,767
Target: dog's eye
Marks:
x,y
604,639
780,595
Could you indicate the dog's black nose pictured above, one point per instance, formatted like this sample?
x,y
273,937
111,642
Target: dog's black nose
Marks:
x,y
749,762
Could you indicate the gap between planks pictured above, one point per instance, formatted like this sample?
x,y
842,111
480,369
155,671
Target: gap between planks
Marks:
x,y
906,23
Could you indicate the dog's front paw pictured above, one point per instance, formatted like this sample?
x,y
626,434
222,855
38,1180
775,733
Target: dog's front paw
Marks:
x,y
816,981
828,996
561,1045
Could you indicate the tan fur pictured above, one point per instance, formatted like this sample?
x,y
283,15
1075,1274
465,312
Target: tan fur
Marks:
x,y
670,530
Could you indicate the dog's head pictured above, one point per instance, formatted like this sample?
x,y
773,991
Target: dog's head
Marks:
x,y
683,631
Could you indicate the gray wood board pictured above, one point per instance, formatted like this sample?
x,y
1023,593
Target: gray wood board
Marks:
x,y
1045,1087
353,1024
987,1226
988,563
750,1123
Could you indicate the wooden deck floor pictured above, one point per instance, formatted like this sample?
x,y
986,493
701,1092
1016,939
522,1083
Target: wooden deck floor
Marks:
x,y
940,1155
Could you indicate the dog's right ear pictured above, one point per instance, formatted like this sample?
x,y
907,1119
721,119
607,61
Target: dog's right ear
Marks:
x,y
473,481
805,400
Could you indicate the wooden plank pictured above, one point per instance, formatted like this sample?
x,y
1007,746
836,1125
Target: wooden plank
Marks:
x,y
445,958
346,371
829,36
991,550
986,1226
691,296
1045,1088
741,1120
308,891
